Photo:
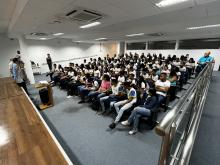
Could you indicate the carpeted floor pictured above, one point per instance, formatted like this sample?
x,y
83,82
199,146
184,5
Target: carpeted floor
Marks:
x,y
86,138
207,146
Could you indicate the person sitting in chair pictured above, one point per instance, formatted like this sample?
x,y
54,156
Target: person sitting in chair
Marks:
x,y
126,104
146,110
162,86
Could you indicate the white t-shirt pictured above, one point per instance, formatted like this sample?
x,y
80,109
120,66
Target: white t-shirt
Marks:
x,y
162,84
121,79
115,89
97,73
183,69
155,78
71,74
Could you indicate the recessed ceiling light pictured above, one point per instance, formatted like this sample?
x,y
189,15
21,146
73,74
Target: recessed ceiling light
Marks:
x,y
90,25
58,34
43,38
99,39
203,27
133,35
165,3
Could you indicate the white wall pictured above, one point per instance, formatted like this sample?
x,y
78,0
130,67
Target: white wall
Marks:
x,y
8,49
196,54
62,50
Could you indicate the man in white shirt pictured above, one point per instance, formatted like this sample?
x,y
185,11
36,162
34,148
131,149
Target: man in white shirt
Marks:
x,y
124,104
162,86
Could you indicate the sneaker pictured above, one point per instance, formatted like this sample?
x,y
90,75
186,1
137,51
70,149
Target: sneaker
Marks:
x,y
125,123
68,97
112,126
80,102
132,132
101,113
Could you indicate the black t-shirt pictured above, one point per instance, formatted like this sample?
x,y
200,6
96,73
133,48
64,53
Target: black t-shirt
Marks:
x,y
49,60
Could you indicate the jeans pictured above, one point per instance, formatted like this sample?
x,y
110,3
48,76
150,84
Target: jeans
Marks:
x,y
161,99
125,107
136,114
95,94
102,102
83,92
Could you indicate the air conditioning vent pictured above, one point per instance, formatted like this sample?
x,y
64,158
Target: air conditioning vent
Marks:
x,y
83,15
155,34
38,34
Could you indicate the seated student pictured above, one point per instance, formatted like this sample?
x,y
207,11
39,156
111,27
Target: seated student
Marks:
x,y
131,79
88,87
51,72
165,70
58,74
113,98
142,87
73,84
162,86
173,82
121,77
191,66
103,89
126,104
152,78
64,80
146,110
114,91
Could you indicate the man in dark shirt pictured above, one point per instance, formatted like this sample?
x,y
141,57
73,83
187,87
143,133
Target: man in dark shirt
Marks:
x,y
150,105
49,62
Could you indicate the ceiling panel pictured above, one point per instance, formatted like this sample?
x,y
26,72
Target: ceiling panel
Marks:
x,y
6,11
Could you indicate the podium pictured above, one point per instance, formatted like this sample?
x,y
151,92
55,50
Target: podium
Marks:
x,y
47,85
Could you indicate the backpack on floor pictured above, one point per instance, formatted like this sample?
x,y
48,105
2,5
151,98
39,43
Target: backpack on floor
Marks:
x,y
95,104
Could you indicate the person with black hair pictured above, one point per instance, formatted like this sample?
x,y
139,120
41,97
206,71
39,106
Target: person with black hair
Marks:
x,y
173,82
49,62
146,110
115,88
126,104
162,86
103,89
18,75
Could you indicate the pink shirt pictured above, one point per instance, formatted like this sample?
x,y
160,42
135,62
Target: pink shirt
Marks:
x,y
105,85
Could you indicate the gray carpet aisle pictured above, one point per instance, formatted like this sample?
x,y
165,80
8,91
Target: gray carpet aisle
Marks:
x,y
88,141
207,146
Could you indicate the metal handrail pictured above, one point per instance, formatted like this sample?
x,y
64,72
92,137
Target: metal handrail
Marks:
x,y
169,118
167,127
186,152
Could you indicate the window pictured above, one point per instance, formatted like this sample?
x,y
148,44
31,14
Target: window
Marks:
x,y
161,45
210,43
136,46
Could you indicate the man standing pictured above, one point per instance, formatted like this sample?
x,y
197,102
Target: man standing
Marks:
x,y
49,62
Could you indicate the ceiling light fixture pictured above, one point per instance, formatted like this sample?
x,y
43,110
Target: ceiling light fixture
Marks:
x,y
58,34
203,27
165,3
43,38
133,35
90,25
99,39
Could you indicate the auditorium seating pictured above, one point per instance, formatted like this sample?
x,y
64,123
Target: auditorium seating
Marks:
x,y
128,65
